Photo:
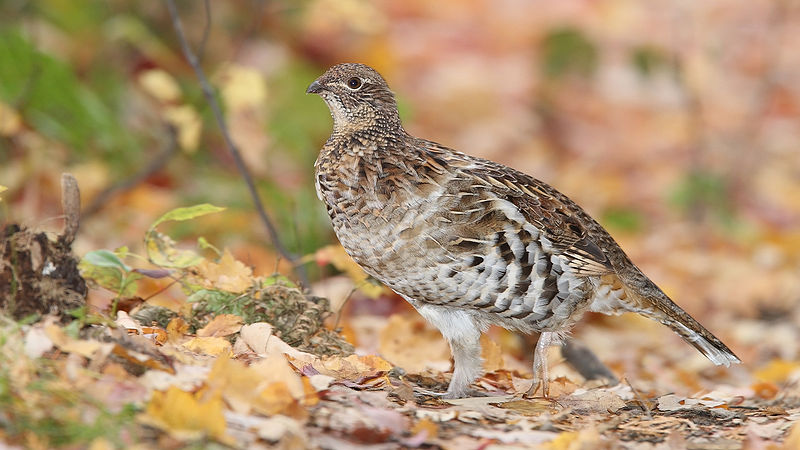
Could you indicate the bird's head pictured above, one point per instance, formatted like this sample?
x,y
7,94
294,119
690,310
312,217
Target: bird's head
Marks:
x,y
357,96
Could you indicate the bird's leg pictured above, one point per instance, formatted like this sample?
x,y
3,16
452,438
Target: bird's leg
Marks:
x,y
463,335
467,363
540,376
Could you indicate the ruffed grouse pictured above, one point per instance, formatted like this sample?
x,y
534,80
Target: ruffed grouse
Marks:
x,y
470,242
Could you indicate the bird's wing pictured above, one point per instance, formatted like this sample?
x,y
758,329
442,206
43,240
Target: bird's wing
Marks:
x,y
571,231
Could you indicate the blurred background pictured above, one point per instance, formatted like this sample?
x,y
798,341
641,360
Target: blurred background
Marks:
x,y
676,125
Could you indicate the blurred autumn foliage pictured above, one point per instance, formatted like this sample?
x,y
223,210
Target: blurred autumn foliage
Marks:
x,y
676,125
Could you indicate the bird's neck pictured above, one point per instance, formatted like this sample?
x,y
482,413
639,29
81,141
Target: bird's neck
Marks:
x,y
369,139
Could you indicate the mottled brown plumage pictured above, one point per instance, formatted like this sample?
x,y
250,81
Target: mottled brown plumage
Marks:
x,y
470,242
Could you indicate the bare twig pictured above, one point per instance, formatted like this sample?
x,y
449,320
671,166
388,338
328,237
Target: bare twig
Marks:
x,y
201,49
208,92
155,165
639,399
71,204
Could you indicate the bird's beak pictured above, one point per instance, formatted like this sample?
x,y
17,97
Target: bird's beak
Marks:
x,y
314,88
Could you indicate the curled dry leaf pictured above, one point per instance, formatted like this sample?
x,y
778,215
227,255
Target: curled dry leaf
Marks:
x,y
259,338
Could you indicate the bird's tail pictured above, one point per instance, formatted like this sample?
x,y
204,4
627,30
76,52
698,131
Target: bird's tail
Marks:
x,y
659,307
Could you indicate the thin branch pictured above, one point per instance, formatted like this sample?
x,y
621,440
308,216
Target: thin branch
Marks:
x,y
201,49
208,92
155,165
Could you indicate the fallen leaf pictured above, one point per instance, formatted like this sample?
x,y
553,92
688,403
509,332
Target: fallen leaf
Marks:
x,y
209,345
221,325
587,438
259,337
227,275
10,122
160,85
352,367
188,123
403,336
81,347
336,256
186,416
426,426
37,343
777,371
177,329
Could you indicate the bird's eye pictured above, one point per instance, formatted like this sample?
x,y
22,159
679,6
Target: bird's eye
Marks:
x,y
354,83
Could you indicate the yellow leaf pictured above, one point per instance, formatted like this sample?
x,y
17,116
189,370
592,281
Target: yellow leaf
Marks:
x,y
177,329
242,88
563,441
163,252
236,382
793,440
185,416
160,85
403,336
336,256
69,345
586,438
2,189
428,426
10,122
777,371
261,387
274,399
221,325
209,345
188,124
227,275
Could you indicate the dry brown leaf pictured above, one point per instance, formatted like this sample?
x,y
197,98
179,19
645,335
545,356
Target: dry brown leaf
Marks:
x,y
221,325
352,367
215,346
259,337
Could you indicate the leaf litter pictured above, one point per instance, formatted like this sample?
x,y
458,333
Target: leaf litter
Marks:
x,y
250,360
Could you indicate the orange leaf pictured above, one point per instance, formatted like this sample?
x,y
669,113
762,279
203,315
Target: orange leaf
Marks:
x,y
177,329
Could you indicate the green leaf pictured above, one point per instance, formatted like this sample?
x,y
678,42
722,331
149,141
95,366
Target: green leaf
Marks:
x,y
163,252
105,258
186,213
568,51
